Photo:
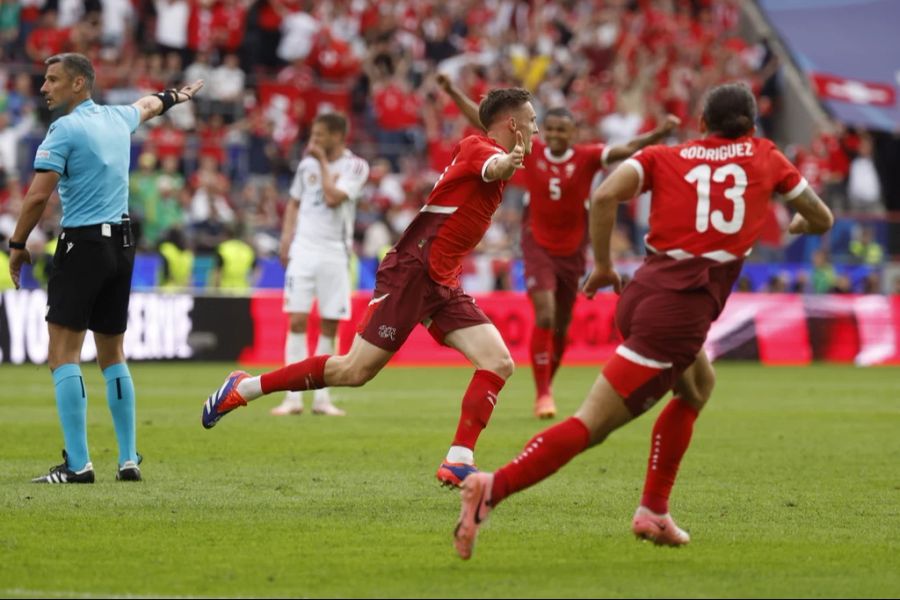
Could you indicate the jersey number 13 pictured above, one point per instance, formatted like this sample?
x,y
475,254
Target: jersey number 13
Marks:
x,y
700,177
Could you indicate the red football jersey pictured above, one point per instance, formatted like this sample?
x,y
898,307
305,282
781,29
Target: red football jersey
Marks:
x,y
458,210
711,196
558,190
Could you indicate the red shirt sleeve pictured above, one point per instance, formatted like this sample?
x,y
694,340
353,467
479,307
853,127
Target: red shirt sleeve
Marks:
x,y
474,154
595,155
788,180
643,162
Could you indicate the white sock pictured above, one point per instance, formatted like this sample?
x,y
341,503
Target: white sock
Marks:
x,y
295,350
250,388
325,345
461,454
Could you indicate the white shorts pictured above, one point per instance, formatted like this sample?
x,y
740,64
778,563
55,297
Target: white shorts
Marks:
x,y
324,278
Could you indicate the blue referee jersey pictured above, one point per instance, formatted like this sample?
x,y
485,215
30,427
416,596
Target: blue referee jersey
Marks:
x,y
90,148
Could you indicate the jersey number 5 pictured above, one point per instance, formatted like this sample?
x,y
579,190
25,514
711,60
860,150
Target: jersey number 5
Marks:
x,y
555,190
700,176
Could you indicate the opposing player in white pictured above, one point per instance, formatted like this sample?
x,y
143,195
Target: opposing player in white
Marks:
x,y
316,243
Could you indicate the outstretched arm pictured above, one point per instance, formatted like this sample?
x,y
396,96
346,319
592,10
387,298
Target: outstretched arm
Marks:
x,y
623,151
620,186
156,104
468,106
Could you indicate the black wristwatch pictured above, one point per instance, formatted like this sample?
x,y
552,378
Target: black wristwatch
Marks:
x,y
16,245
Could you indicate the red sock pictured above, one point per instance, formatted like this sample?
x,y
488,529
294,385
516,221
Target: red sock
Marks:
x,y
543,456
559,347
671,437
477,406
300,376
541,353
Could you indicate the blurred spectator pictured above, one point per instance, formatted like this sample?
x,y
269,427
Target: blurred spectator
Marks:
x,y
865,249
863,186
10,137
824,275
226,88
178,260
171,27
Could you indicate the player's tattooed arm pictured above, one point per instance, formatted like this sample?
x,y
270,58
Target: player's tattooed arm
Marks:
x,y
465,104
623,151
813,216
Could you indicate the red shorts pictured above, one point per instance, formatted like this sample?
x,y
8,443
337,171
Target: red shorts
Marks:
x,y
544,271
405,295
663,326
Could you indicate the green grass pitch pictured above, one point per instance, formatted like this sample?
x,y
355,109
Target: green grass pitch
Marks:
x,y
791,489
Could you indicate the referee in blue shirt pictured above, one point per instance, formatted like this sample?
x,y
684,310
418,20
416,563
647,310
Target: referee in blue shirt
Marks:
x,y
87,153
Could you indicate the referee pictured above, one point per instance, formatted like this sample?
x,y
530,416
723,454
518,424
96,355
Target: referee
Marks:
x,y
87,152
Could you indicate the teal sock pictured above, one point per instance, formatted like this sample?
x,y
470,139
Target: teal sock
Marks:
x,y
71,403
120,397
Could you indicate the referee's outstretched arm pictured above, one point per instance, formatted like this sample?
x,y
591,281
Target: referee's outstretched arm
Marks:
x,y
156,104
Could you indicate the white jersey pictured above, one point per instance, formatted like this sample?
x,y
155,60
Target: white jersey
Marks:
x,y
321,228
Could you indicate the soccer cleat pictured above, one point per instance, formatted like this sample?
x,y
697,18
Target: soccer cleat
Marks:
x,y
329,409
659,529
544,407
287,407
476,506
130,471
63,474
224,400
452,474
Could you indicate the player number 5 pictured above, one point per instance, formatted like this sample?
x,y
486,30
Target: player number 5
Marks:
x,y
555,190
700,176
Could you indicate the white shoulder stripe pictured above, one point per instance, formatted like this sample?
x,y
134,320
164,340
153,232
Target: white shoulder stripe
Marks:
x,y
797,189
441,210
637,166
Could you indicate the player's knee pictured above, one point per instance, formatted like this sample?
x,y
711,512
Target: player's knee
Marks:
x,y
358,375
699,392
502,365
543,319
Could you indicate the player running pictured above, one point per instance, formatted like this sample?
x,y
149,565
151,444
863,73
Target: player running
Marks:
x,y
558,176
418,282
710,198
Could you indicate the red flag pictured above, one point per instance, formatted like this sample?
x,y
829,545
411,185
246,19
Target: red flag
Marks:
x,y
832,87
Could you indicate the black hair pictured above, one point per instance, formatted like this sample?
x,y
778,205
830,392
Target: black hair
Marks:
x,y
730,110
75,65
559,111
500,101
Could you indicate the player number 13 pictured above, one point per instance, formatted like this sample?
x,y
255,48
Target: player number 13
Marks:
x,y
700,176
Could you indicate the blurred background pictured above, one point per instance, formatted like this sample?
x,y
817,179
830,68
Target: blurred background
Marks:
x,y
825,74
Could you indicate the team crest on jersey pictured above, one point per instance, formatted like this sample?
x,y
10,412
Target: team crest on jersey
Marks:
x,y
542,165
312,179
570,168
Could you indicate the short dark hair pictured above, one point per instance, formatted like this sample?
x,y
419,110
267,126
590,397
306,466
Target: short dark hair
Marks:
x,y
499,101
559,111
75,65
334,122
730,110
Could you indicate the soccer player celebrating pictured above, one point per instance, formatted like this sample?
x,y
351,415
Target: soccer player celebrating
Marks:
x,y
558,176
710,199
316,244
418,282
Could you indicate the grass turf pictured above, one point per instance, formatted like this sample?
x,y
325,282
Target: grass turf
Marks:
x,y
791,488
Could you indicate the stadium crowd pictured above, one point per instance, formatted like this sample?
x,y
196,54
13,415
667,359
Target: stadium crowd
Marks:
x,y
219,167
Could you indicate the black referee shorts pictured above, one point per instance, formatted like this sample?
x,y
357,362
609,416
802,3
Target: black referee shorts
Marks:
x,y
90,281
